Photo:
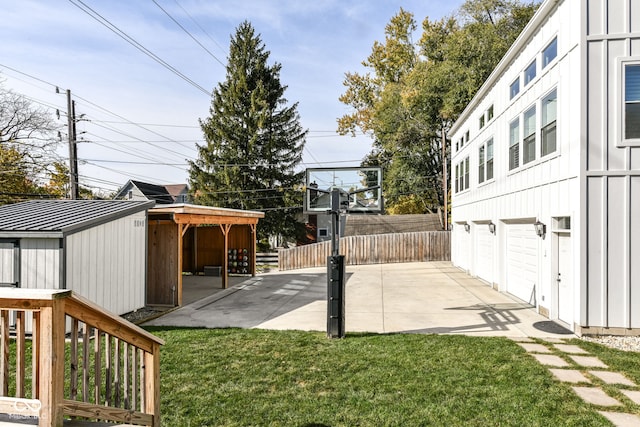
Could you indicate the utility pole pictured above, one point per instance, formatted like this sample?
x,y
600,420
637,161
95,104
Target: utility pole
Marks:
x,y
445,186
73,151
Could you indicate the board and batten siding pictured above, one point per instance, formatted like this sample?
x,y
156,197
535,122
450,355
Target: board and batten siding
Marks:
x,y
40,262
546,188
107,263
611,186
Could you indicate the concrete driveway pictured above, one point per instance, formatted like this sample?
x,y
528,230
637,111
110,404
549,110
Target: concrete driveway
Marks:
x,y
424,297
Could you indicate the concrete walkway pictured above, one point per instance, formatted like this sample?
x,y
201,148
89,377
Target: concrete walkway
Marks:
x,y
425,297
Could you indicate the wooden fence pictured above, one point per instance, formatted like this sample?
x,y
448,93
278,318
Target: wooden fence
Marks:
x,y
373,249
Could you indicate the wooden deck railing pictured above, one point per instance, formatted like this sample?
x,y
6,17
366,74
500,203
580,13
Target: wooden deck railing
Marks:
x,y
372,249
61,356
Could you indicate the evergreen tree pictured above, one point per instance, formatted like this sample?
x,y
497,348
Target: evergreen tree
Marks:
x,y
254,141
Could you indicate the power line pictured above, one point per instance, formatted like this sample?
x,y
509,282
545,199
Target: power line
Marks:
x,y
189,34
106,23
199,26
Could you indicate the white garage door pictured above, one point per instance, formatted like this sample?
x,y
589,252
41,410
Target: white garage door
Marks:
x,y
484,253
522,261
462,250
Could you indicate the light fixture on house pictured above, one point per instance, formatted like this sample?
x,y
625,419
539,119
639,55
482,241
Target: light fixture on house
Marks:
x,y
467,227
541,229
492,227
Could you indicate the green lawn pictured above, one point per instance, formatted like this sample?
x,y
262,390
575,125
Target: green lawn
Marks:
x,y
234,377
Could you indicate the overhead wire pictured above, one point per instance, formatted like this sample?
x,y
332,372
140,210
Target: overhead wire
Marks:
x,y
126,37
188,33
200,27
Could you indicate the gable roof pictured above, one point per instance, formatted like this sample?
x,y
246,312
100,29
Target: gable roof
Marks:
x,y
155,192
55,218
160,193
176,189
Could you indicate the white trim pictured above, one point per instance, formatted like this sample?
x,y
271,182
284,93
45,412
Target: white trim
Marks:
x,y
620,90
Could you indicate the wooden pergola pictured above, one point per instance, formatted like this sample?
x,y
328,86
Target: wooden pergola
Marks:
x,y
168,226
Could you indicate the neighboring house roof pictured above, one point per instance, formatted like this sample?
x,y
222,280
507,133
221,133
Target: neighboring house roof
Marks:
x,y
155,192
176,189
55,218
362,225
162,194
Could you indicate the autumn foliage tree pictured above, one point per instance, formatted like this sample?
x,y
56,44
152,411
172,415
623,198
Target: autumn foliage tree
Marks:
x,y
413,91
27,143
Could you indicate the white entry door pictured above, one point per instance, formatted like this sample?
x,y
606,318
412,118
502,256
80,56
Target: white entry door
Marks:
x,y
565,279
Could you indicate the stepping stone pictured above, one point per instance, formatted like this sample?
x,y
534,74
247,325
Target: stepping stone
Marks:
x,y
612,378
555,340
521,339
569,376
550,360
589,361
595,396
534,348
566,348
620,419
633,395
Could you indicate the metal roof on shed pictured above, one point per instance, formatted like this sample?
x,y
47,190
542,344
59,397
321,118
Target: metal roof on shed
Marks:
x,y
63,216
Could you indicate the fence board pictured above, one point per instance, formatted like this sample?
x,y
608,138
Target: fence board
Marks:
x,y
372,249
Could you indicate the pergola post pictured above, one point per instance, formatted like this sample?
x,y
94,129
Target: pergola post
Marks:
x,y
254,249
225,256
182,230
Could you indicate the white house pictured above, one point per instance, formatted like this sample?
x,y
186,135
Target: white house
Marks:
x,y
546,168
97,248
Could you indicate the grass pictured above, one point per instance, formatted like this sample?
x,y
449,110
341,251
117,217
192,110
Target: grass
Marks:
x,y
231,377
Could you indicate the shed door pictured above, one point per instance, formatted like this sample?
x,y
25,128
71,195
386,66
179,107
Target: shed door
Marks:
x,y
484,253
522,261
9,263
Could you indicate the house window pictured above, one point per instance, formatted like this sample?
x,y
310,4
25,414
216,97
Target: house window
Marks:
x,y
481,121
485,161
130,195
481,163
489,114
550,52
462,175
323,232
514,89
490,159
514,144
549,107
466,136
530,73
529,137
466,173
632,101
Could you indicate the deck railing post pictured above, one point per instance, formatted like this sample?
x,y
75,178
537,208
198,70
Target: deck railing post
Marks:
x,y
51,363
152,383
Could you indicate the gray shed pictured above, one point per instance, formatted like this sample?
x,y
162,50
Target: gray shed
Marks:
x,y
96,248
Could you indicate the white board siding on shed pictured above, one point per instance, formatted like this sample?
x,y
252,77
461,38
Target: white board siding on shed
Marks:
x,y
7,263
107,264
40,264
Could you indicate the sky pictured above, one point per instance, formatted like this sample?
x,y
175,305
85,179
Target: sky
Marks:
x,y
138,119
